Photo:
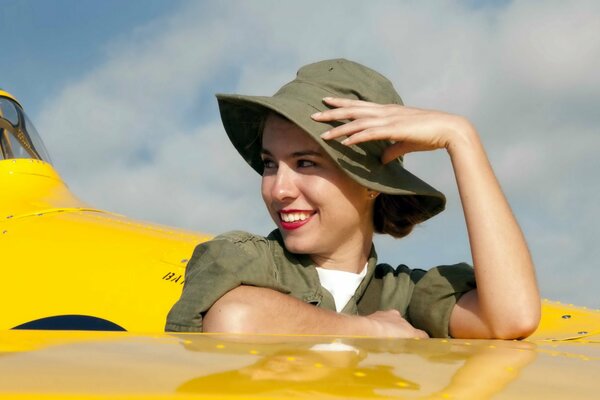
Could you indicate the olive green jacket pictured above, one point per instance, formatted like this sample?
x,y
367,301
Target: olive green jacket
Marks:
x,y
424,298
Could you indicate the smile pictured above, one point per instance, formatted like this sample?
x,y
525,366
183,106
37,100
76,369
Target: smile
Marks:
x,y
294,219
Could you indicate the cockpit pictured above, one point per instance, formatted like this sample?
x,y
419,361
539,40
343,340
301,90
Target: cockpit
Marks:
x,y
18,136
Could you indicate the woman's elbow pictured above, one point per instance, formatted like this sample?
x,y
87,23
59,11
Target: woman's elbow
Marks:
x,y
517,326
229,314
503,320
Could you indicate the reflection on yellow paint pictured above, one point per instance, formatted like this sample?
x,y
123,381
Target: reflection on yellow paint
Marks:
x,y
298,372
126,365
341,368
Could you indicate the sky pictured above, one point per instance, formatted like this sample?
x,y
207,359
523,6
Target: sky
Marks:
x,y
123,96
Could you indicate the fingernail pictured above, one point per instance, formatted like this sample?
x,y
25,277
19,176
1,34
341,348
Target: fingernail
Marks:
x,y
325,135
327,98
346,141
315,115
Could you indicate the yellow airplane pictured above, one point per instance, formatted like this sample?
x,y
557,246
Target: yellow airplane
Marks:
x,y
69,269
71,266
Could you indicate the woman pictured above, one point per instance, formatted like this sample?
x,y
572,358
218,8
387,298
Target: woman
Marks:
x,y
329,147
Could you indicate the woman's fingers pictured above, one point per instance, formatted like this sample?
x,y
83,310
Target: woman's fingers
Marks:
x,y
390,323
347,113
411,129
353,127
363,117
405,136
343,102
348,109
421,334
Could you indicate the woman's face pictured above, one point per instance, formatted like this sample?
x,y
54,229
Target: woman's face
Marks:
x,y
319,210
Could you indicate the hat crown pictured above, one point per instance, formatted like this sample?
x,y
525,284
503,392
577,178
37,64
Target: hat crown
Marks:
x,y
344,78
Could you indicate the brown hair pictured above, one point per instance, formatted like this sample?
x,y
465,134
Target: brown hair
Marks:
x,y
397,215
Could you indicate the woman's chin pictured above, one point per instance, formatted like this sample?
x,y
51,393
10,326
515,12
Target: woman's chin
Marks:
x,y
297,245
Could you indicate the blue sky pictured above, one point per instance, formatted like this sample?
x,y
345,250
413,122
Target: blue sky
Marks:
x,y
123,94
63,38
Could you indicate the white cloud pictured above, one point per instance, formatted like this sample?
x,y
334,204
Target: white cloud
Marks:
x,y
140,133
552,47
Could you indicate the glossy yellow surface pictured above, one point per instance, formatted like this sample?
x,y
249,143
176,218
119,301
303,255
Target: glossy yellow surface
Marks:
x,y
55,364
6,94
63,257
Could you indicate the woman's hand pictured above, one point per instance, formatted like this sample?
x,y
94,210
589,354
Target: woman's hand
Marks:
x,y
390,323
410,129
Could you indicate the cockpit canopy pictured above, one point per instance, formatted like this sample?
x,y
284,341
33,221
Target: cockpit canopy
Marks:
x,y
18,136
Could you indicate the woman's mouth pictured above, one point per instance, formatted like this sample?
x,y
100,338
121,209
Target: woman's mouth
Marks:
x,y
294,219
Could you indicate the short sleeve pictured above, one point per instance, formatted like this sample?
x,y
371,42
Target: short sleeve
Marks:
x,y
216,267
436,293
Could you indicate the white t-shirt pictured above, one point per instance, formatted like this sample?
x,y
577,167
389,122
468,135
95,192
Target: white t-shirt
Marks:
x,y
341,284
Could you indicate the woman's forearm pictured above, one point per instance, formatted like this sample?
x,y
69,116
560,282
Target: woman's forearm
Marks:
x,y
249,309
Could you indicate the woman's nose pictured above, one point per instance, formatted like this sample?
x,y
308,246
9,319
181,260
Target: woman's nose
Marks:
x,y
284,186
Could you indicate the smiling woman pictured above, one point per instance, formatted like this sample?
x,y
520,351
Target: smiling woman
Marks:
x,y
329,146
303,188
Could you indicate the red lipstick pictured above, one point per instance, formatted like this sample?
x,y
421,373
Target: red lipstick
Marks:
x,y
291,225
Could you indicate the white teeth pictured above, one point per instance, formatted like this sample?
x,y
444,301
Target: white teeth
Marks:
x,y
293,217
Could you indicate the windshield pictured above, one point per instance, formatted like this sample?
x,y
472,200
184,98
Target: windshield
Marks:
x,y
18,136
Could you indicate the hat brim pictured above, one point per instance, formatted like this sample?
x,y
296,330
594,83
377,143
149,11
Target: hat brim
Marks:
x,y
243,118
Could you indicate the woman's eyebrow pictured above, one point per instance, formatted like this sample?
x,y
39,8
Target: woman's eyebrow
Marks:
x,y
296,154
304,153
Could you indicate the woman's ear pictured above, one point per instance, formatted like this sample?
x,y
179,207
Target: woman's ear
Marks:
x,y
372,193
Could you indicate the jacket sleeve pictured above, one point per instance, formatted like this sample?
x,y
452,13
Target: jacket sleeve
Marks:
x,y
434,295
216,267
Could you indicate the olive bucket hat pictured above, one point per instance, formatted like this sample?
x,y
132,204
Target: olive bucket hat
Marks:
x,y
243,118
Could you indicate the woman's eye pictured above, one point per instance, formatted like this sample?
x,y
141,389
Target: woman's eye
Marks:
x,y
305,163
268,163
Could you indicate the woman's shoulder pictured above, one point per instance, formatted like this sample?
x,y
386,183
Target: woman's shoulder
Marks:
x,y
239,237
245,241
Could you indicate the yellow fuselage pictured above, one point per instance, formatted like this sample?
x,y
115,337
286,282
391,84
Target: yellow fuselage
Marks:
x,y
61,257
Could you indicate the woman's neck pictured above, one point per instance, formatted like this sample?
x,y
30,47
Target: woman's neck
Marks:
x,y
351,258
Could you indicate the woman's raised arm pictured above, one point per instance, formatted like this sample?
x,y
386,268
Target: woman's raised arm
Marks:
x,y
506,303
